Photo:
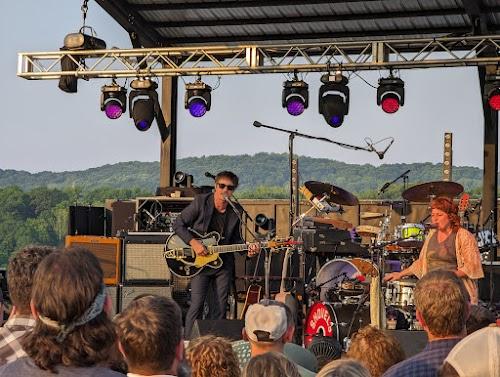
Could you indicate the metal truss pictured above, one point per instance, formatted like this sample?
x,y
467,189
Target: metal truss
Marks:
x,y
251,59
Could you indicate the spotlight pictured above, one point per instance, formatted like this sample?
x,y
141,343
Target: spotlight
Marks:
x,y
334,99
75,42
143,103
197,98
182,179
113,100
492,90
390,94
295,96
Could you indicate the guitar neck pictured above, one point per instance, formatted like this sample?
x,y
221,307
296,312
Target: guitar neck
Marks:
x,y
227,248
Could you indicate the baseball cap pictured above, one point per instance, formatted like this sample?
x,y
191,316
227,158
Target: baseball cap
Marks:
x,y
266,321
477,354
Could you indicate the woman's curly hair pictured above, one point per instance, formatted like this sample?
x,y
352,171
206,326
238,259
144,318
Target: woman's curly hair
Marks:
x,y
212,356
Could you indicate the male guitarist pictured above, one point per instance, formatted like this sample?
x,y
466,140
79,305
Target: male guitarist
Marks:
x,y
207,213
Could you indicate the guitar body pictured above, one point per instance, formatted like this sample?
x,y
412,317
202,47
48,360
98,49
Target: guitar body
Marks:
x,y
183,262
254,294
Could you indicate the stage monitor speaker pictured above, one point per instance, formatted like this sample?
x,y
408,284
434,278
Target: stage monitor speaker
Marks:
x,y
412,342
86,221
106,249
484,283
227,328
144,260
123,219
130,292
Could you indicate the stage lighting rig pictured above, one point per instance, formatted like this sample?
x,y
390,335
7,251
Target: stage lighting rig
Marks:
x,y
334,98
390,94
143,103
197,98
113,100
492,91
295,96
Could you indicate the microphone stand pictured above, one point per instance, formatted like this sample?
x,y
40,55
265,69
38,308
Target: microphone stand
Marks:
x,y
405,184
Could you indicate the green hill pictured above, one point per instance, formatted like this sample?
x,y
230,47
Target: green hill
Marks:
x,y
262,169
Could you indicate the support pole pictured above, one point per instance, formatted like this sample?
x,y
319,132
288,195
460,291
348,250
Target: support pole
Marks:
x,y
168,153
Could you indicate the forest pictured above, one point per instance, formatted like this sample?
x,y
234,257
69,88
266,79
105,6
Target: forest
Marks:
x,y
34,206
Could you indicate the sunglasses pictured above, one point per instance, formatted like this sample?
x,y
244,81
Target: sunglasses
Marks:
x,y
222,186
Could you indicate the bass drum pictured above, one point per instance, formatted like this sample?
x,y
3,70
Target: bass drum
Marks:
x,y
332,274
338,321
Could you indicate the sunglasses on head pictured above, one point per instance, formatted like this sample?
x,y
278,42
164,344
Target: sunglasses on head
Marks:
x,y
222,186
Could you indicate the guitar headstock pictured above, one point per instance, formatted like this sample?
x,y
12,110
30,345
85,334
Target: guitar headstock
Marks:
x,y
463,203
281,243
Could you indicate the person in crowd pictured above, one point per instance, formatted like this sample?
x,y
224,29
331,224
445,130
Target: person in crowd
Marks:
x,y
270,364
447,246
207,213
442,308
212,356
73,334
375,349
20,271
344,368
479,318
477,355
268,327
149,333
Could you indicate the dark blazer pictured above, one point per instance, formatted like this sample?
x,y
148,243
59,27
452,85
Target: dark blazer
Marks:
x,y
197,216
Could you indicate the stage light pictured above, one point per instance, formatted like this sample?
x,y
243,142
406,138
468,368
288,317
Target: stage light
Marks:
x,y
197,98
113,100
295,96
390,94
143,103
333,99
182,179
76,42
492,90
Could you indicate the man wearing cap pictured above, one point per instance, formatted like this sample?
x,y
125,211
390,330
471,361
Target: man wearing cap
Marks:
x,y
442,308
268,326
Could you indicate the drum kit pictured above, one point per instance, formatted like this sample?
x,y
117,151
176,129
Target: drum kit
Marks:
x,y
347,292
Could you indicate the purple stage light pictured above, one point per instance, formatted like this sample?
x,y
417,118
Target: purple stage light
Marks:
x,y
197,107
143,125
113,110
335,120
295,106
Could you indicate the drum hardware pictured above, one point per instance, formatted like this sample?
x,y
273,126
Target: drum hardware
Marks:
x,y
370,215
332,194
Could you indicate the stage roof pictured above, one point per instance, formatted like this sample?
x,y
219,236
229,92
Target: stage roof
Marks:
x,y
210,22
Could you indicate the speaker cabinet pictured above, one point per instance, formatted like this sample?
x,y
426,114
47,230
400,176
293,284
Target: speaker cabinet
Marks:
x,y
86,221
412,342
107,251
143,259
491,279
112,291
228,328
130,292
123,219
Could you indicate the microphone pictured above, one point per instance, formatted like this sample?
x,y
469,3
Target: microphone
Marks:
x,y
384,187
229,201
257,124
382,153
209,175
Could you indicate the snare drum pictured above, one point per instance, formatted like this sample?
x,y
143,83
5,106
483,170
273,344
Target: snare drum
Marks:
x,y
400,293
410,235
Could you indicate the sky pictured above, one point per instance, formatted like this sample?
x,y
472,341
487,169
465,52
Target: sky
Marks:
x,y
44,128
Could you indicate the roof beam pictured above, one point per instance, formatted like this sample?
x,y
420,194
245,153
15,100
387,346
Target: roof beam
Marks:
x,y
308,36
131,21
307,19
477,16
235,4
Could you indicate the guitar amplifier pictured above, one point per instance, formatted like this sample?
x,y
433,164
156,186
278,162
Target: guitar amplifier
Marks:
x,y
130,292
112,291
143,260
107,251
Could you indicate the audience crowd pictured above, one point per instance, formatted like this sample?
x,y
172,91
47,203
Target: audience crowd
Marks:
x,y
60,323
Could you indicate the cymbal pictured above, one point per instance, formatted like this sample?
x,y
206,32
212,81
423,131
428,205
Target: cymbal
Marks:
x,y
334,194
425,192
371,215
337,223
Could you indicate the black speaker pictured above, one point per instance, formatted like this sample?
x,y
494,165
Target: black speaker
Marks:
x,y
485,283
412,341
228,328
86,221
123,219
